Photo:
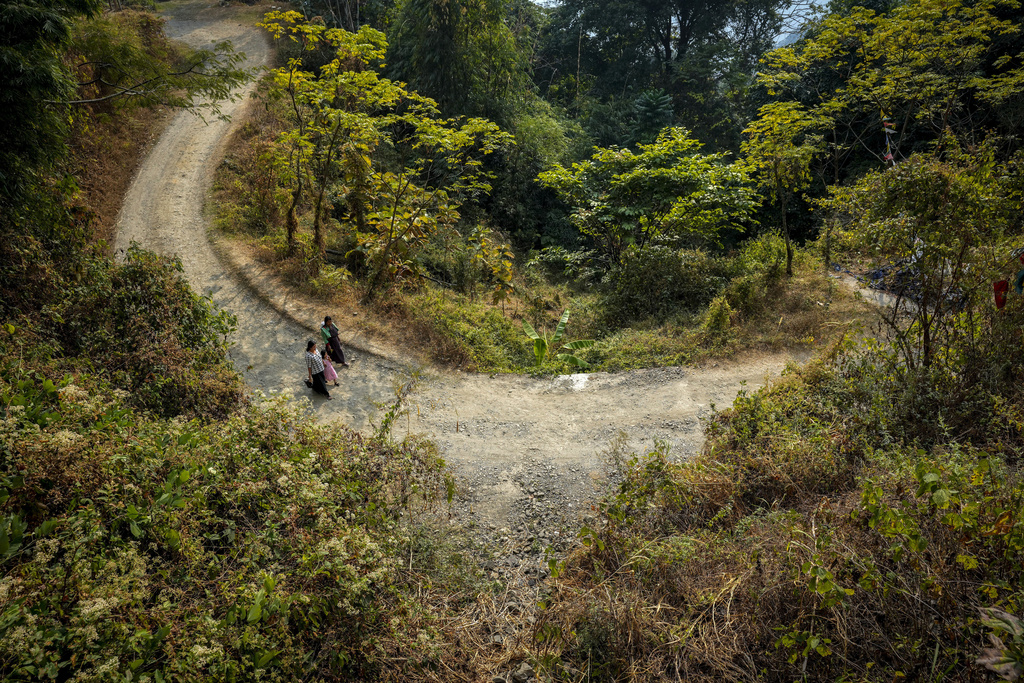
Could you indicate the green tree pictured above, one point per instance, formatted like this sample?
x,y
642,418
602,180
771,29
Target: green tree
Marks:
x,y
941,219
663,193
33,36
702,53
653,113
926,66
123,58
400,170
471,56
778,151
57,54
61,62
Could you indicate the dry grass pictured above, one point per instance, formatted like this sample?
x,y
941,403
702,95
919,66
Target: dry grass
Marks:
x,y
106,151
796,547
810,308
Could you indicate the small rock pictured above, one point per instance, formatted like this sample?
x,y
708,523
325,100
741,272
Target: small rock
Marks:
x,y
499,679
523,673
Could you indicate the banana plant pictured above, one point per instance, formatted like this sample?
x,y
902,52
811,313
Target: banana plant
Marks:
x,y
542,345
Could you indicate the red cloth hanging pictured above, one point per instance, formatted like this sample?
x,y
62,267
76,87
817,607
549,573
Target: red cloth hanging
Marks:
x,y
1000,289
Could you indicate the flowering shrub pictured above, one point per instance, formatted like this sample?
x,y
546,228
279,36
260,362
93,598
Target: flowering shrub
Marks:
x,y
259,547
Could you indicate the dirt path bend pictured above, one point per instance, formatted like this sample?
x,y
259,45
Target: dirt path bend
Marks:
x,y
530,450
164,211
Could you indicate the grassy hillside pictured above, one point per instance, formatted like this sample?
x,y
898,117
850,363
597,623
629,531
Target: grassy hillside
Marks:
x,y
852,522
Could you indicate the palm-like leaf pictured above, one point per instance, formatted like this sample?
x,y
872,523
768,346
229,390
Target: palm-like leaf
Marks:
x,y
573,360
530,332
540,350
560,330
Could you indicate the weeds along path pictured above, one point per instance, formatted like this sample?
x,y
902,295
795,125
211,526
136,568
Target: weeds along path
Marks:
x,y
530,450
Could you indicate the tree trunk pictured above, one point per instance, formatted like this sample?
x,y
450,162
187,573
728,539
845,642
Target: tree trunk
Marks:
x,y
785,232
318,237
828,244
832,219
291,223
925,320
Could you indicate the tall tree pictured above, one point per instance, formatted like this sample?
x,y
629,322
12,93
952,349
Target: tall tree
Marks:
x,y
463,54
779,150
888,84
400,169
33,35
701,52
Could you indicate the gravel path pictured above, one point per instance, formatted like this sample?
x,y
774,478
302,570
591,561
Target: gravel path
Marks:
x,y
532,452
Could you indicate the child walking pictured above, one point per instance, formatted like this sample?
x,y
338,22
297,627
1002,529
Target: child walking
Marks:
x,y
330,374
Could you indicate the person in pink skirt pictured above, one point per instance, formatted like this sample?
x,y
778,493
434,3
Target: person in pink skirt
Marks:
x,y
330,374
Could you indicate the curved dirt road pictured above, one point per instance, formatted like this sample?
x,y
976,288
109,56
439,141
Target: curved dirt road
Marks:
x,y
531,450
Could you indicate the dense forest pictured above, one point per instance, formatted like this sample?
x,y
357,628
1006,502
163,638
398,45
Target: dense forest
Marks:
x,y
582,185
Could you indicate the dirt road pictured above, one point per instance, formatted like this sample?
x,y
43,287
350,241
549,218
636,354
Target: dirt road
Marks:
x,y
530,450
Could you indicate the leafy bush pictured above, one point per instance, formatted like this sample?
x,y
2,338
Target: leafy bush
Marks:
x,y
146,549
759,265
659,282
156,338
716,318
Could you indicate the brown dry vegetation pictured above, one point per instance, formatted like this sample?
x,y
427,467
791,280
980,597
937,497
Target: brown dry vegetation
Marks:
x,y
109,139
106,153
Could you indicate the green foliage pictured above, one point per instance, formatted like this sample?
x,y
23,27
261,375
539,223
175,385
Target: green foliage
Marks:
x,y
828,504
60,54
467,55
599,56
927,66
123,58
462,333
635,347
778,151
33,34
718,317
262,535
542,345
660,283
140,323
941,219
403,171
663,194
653,113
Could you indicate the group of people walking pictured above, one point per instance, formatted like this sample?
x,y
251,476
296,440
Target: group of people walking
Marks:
x,y
320,364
